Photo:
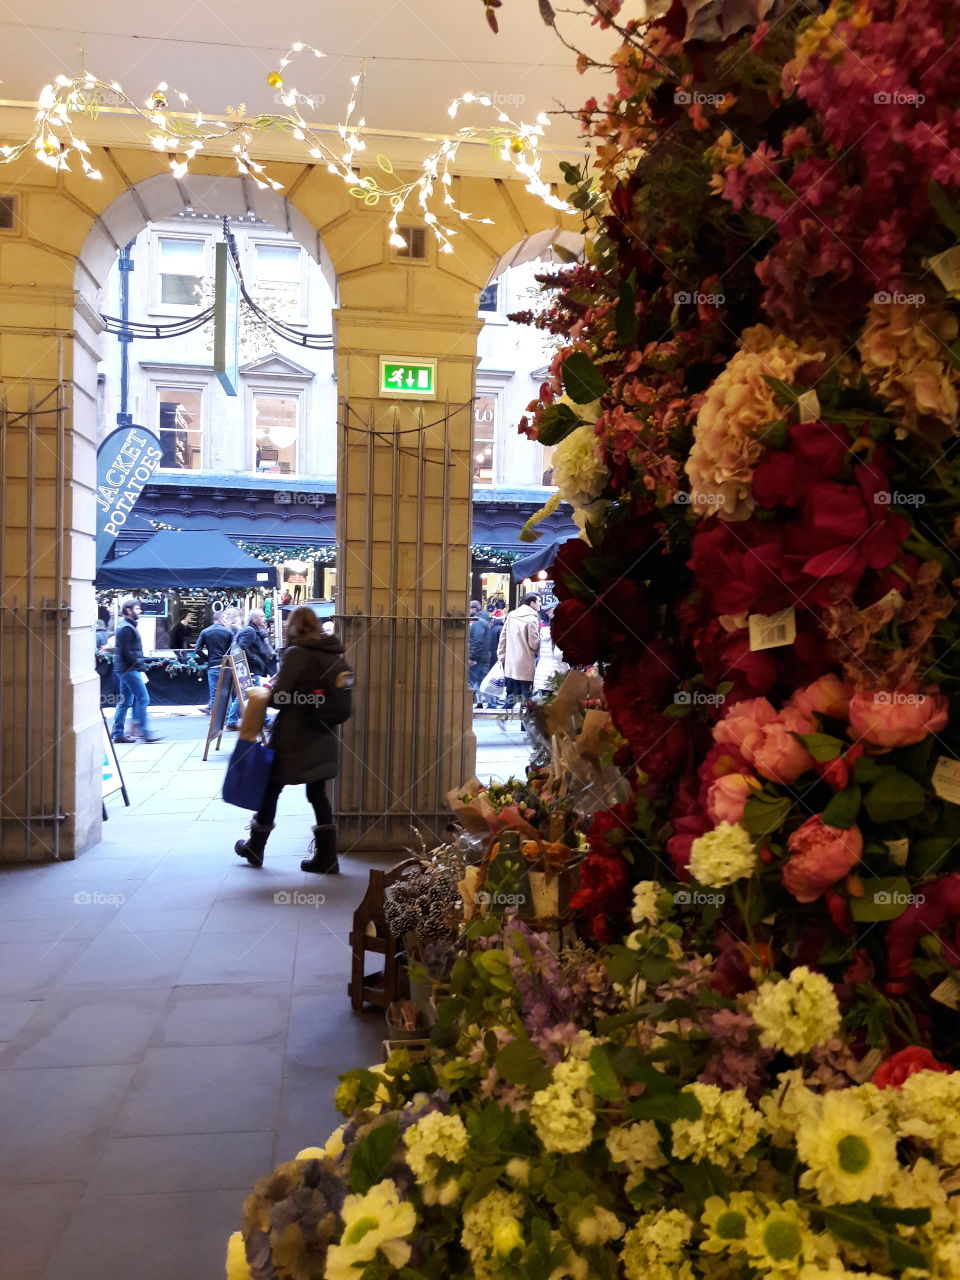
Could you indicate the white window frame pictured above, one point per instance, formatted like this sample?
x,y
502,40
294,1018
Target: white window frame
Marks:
x,y
495,393
155,260
253,260
169,382
296,391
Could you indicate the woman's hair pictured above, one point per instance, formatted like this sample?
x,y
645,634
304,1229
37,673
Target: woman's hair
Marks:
x,y
303,624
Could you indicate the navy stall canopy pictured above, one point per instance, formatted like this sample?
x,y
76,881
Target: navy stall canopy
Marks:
x,y
538,561
173,558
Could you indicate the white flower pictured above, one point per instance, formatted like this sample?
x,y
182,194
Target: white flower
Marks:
x,y
797,1013
653,1249
636,1145
481,1221
645,895
578,473
929,1106
435,1138
722,855
726,1130
562,1113
850,1154
375,1222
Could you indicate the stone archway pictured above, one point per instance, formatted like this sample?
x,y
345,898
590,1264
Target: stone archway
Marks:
x,y
52,265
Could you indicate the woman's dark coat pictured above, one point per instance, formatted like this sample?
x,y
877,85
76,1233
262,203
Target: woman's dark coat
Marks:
x,y
306,749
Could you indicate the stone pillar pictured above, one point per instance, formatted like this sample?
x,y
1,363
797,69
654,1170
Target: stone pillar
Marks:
x,y
404,493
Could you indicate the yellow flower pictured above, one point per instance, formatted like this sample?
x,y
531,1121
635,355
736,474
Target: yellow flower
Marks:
x,y
797,1013
850,1155
375,1222
726,1222
237,1268
780,1241
905,354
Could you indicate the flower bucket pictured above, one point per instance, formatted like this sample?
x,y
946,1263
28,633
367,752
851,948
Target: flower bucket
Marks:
x,y
410,1019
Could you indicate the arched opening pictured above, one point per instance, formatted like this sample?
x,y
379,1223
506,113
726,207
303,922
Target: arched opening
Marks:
x,y
258,465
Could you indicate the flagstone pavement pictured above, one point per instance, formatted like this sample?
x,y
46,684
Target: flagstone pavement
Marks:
x,y
172,1021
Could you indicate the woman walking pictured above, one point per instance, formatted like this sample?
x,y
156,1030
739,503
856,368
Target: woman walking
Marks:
x,y
314,693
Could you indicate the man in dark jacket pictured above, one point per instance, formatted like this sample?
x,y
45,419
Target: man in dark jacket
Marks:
x,y
128,666
479,649
254,640
213,643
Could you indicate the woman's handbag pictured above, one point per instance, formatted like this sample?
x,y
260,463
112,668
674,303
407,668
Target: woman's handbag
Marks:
x,y
248,773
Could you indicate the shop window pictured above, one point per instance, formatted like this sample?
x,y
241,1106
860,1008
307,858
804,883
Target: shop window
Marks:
x,y
546,466
276,425
490,298
278,280
484,437
181,271
180,424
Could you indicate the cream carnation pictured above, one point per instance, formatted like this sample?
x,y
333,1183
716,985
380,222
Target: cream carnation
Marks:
x,y
578,473
645,895
796,1014
722,855
636,1145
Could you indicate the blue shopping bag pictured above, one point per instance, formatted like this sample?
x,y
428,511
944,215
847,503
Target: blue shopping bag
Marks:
x,y
247,774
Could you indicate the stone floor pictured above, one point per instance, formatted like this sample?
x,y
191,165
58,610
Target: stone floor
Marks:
x,y
172,1021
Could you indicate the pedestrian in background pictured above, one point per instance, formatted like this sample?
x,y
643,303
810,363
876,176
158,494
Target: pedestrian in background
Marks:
x,y
479,642
253,641
128,666
313,684
550,661
518,647
213,644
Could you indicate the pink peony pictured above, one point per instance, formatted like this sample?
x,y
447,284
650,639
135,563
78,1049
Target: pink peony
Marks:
x,y
828,696
822,855
742,726
727,797
894,718
779,756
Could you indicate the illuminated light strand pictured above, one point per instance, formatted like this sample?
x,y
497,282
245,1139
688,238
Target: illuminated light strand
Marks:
x,y
185,134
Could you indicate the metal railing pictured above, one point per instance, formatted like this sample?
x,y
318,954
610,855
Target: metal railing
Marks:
x,y
33,625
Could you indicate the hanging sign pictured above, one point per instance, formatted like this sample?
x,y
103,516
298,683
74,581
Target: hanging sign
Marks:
x,y
416,379
126,462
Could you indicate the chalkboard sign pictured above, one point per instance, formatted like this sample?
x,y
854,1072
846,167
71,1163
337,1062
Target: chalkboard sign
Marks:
x,y
244,678
235,678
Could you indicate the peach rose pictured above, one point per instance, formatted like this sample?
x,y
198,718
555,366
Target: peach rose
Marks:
x,y
728,796
895,718
828,696
742,726
822,855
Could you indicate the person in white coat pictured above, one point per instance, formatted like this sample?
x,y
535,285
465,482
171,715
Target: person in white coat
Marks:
x,y
518,647
549,658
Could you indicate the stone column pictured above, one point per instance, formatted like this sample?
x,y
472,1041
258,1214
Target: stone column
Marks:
x,y
404,492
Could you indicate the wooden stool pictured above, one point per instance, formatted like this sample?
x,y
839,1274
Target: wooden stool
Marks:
x,y
379,988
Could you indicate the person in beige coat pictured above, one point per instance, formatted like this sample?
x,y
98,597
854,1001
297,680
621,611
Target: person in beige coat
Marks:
x,y
518,647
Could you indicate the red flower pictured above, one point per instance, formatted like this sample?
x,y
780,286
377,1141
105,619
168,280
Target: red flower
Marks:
x,y
576,631
569,573
783,476
940,907
892,1073
847,530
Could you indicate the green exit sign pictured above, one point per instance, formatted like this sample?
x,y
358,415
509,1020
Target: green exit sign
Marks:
x,y
416,379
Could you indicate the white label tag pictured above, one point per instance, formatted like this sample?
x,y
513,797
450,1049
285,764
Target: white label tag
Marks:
x,y
946,779
898,849
809,406
771,630
947,993
867,1066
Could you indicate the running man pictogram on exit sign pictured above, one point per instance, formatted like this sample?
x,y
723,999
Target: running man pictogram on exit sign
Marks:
x,y
414,378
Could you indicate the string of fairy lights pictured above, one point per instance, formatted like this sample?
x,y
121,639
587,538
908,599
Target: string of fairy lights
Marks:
x,y
183,131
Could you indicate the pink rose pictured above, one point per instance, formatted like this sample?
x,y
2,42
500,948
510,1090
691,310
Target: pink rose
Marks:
x,y
894,718
742,726
828,696
822,855
728,796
